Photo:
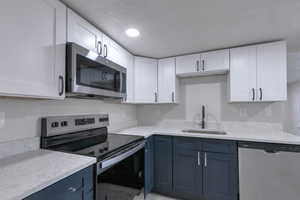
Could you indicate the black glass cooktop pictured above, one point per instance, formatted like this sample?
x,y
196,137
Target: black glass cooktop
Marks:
x,y
98,144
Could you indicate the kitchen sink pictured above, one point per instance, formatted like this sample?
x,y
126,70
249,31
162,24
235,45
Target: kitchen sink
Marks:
x,y
204,131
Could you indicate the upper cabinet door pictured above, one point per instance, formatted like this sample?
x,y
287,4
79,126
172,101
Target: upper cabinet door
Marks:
x,y
83,33
114,52
130,78
272,71
187,64
242,77
33,37
145,80
215,60
167,81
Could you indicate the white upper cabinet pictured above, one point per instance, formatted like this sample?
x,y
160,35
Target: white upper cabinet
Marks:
x,y
33,37
114,52
242,77
187,64
215,61
129,79
208,63
258,73
167,81
83,33
272,71
145,80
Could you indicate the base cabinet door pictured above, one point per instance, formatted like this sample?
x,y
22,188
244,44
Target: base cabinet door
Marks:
x,y
149,166
220,176
187,175
78,186
163,164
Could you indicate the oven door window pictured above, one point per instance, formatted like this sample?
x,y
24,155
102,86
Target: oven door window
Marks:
x,y
96,75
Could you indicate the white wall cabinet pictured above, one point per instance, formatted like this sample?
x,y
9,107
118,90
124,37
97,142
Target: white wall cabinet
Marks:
x,y
187,64
272,71
215,61
258,73
83,33
114,52
167,81
130,79
145,80
204,64
33,37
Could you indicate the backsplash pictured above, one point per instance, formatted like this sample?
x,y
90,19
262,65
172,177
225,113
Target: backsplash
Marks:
x,y
20,118
212,92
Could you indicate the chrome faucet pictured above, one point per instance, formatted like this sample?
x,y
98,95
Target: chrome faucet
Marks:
x,y
203,118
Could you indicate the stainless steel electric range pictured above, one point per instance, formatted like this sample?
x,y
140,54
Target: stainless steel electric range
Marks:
x,y
119,172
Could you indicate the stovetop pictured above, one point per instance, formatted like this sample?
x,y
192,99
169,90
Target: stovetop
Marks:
x,y
100,146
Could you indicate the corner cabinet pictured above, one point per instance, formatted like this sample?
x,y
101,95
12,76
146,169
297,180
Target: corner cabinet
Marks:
x,y
168,83
193,168
33,65
145,80
79,186
258,73
163,166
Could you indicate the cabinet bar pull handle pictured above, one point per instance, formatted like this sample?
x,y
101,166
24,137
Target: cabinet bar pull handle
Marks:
x,y
205,159
203,65
261,94
173,97
155,97
199,163
62,85
99,47
197,66
106,51
253,94
72,189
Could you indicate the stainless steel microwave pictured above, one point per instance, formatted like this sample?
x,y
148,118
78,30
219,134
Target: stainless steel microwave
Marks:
x,y
90,75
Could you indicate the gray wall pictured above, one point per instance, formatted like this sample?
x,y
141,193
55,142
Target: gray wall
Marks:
x,y
292,106
211,92
20,118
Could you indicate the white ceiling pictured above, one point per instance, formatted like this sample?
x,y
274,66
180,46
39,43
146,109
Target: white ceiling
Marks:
x,y
173,27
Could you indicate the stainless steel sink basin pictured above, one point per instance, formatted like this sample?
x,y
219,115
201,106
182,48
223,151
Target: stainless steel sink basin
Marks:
x,y
204,131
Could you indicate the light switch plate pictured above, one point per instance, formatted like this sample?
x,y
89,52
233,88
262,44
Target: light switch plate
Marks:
x,y
2,119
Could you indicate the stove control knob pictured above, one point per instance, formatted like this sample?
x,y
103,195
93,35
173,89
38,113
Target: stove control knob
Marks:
x,y
101,150
105,148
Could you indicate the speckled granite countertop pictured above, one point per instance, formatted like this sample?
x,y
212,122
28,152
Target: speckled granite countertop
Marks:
x,y
24,174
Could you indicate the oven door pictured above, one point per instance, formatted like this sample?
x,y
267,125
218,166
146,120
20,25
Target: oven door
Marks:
x,y
90,74
122,176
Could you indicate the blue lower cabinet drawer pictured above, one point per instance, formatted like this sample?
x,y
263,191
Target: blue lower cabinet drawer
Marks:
x,y
75,187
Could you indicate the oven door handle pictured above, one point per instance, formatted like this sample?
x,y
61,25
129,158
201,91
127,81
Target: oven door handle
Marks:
x,y
114,160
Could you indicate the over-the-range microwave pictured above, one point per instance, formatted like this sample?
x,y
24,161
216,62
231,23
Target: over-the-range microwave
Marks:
x,y
90,75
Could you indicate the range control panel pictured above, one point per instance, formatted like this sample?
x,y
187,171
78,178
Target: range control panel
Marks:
x,y
56,125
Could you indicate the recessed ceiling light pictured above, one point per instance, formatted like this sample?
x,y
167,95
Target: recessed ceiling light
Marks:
x,y
132,32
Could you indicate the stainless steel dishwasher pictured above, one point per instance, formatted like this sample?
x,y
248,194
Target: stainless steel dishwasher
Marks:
x,y
269,171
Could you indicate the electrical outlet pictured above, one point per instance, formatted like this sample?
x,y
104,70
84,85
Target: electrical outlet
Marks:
x,y
2,119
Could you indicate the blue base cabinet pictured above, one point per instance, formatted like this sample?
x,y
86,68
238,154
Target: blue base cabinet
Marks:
x,y
187,168
220,177
163,164
79,186
195,169
149,165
